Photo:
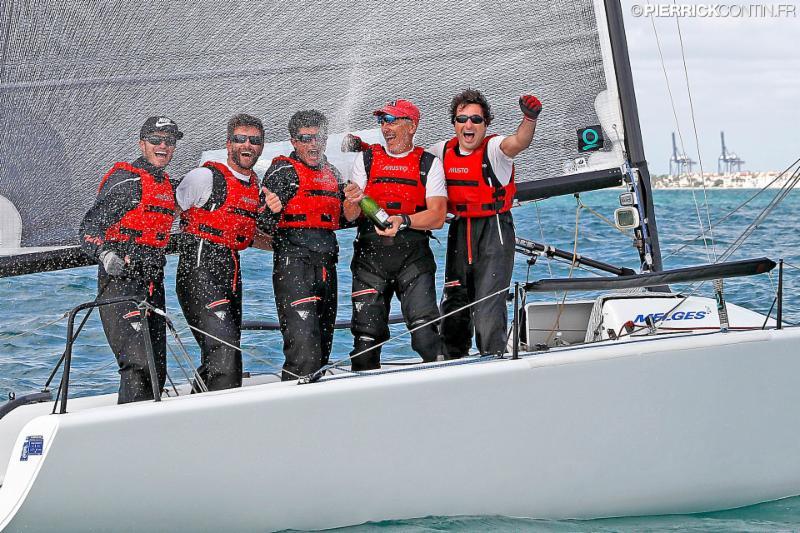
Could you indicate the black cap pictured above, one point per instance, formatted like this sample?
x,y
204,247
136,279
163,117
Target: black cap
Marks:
x,y
160,123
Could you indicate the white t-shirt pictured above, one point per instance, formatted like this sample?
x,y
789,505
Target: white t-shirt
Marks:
x,y
434,186
501,163
194,190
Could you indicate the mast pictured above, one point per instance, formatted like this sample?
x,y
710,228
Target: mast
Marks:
x,y
630,115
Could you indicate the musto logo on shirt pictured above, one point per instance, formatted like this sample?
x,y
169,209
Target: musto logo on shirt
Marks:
x,y
396,168
457,170
677,315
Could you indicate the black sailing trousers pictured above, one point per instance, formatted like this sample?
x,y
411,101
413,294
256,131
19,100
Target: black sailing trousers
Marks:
x,y
406,268
479,263
123,328
209,288
305,295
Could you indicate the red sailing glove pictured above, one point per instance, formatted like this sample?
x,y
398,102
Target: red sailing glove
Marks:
x,y
353,143
531,106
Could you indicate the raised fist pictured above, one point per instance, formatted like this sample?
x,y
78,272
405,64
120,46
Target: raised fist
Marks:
x,y
530,105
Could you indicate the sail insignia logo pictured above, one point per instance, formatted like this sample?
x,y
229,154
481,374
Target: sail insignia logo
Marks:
x,y
33,445
590,139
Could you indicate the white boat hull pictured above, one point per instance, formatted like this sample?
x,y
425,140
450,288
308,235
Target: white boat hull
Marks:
x,y
673,424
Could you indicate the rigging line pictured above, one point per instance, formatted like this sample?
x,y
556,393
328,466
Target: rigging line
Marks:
x,y
198,382
779,196
541,233
335,364
180,365
604,219
561,305
37,328
680,134
90,373
763,215
735,210
696,139
226,343
666,79
547,258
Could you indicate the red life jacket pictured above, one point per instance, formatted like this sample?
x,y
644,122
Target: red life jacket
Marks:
x,y
473,189
316,203
232,224
397,183
149,222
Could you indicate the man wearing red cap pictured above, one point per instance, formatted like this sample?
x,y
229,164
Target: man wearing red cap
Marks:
x,y
479,169
126,231
409,184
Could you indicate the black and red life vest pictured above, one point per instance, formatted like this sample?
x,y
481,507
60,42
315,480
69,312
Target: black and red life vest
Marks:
x,y
316,204
473,190
232,224
150,221
397,183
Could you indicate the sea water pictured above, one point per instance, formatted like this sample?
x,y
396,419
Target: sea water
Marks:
x,y
32,336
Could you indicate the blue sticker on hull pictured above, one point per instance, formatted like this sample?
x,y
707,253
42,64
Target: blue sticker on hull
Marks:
x,y
33,445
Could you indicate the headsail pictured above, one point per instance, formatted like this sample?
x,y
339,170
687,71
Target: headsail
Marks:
x,y
77,80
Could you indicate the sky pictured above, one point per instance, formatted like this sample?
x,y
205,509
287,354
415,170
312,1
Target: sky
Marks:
x,y
744,76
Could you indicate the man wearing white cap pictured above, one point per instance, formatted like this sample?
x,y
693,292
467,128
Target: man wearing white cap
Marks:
x,y
409,185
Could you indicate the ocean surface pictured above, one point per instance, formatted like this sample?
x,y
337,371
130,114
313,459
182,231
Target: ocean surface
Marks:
x,y
32,332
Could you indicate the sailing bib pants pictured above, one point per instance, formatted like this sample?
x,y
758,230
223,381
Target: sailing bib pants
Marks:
x,y
122,326
478,264
405,268
306,297
209,289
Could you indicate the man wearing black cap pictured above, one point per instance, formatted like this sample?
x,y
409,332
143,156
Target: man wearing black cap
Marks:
x,y
126,231
408,183
220,205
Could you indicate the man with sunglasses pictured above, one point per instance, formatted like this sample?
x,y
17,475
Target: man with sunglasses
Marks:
x,y
220,205
408,183
479,169
304,195
126,231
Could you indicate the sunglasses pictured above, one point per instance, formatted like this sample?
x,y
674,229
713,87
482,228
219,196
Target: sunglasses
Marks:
x,y
308,137
476,119
255,140
155,140
389,119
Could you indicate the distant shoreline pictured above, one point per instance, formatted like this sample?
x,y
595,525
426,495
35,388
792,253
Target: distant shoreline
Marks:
x,y
741,180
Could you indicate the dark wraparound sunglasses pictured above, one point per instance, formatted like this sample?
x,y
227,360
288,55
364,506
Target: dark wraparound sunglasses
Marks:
x,y
255,140
308,137
476,119
155,140
389,119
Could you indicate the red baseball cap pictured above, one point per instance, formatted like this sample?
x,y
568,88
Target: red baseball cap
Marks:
x,y
399,108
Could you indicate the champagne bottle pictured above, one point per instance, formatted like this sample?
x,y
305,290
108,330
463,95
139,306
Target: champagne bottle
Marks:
x,y
375,212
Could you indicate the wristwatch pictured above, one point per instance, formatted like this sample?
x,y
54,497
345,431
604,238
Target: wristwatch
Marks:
x,y
406,223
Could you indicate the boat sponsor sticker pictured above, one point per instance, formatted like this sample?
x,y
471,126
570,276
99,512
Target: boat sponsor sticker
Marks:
x,y
33,445
677,315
